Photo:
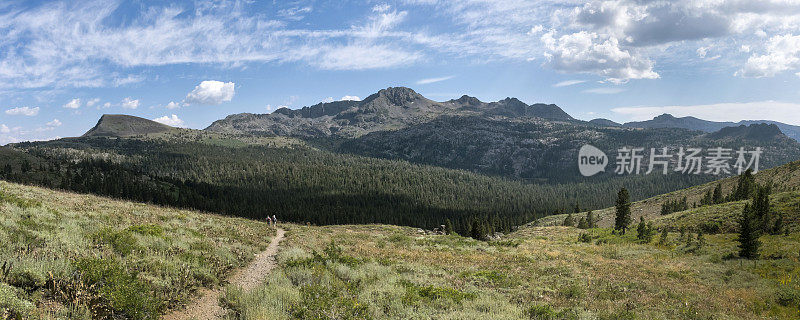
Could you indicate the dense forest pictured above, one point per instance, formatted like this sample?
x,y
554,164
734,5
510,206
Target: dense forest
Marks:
x,y
305,184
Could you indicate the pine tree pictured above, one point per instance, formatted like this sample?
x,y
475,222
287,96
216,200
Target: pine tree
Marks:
x,y
590,220
582,224
641,229
745,187
577,208
623,206
664,235
718,194
569,221
448,227
748,234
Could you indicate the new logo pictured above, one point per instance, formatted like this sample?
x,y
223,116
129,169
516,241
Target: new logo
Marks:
x,y
591,160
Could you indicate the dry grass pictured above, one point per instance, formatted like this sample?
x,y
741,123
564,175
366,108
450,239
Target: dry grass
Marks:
x,y
537,272
74,256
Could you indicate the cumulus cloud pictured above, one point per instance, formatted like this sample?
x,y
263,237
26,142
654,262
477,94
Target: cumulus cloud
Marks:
x,y
785,112
54,123
434,80
73,104
129,103
586,52
23,111
172,121
350,98
211,92
172,105
92,102
782,54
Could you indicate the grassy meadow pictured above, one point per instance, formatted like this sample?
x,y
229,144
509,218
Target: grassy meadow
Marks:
x,y
387,272
70,256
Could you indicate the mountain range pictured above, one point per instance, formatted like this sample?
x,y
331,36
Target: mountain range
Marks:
x,y
692,123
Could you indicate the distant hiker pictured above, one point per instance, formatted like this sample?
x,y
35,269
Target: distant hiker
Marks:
x,y
274,220
269,221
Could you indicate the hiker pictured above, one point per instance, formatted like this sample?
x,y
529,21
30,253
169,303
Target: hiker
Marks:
x,y
269,221
274,220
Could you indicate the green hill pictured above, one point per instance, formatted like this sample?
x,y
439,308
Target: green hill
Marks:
x,y
71,256
784,178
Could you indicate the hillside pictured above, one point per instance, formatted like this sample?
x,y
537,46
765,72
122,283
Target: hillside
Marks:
x,y
387,272
71,256
303,183
692,123
785,178
119,125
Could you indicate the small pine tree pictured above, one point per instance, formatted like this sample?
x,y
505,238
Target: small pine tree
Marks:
x,y
577,208
718,194
701,240
748,234
664,234
777,227
582,223
569,221
448,227
590,220
623,210
641,229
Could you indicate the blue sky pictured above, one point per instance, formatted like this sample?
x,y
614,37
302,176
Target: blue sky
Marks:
x,y
63,64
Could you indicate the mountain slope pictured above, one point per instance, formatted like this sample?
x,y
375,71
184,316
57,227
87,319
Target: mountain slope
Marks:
x,y
692,123
546,150
784,178
119,125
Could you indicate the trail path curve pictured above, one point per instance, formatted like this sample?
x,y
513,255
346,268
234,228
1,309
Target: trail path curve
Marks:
x,y
207,306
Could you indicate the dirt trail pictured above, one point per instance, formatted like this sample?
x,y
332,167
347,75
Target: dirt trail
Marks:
x,y
207,306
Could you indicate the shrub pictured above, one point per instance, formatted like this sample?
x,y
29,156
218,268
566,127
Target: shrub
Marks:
x,y
540,312
416,293
121,241
148,230
584,237
13,307
119,290
787,296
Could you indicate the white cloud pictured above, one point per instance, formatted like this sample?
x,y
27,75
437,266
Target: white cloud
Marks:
x,y
92,102
782,54
350,98
23,111
381,8
327,100
4,129
211,92
129,103
588,52
107,105
785,112
54,123
434,80
568,83
365,55
172,121
172,105
605,90
73,104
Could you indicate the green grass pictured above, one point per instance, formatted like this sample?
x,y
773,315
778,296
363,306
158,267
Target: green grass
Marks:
x,y
69,256
385,272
